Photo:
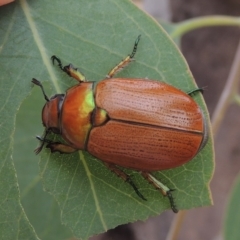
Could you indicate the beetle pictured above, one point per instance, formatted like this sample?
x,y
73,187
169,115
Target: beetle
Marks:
x,y
141,124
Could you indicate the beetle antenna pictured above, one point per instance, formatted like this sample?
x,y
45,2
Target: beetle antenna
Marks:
x,y
54,58
43,140
38,83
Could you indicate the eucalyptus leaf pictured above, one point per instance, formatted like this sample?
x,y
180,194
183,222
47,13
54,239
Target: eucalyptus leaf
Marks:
x,y
94,36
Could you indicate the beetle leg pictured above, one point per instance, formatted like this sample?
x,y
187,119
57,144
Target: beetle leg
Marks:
x,y
161,187
60,147
56,146
125,61
69,69
125,177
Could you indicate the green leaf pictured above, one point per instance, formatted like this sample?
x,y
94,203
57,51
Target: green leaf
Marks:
x,y
177,30
95,36
231,225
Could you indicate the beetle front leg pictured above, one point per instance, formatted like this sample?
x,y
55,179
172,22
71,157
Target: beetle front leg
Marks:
x,y
70,70
57,146
60,147
125,61
125,177
161,187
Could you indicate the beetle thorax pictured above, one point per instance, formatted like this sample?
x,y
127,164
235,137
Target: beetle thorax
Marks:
x,y
51,112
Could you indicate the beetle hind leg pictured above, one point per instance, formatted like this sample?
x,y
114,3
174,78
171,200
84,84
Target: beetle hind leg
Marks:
x,y
161,187
125,177
69,69
125,61
201,90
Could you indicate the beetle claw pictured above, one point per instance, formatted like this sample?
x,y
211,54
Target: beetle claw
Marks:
x,y
171,200
54,58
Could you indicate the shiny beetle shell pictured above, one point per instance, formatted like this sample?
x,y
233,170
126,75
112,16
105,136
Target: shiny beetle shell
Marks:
x,y
148,125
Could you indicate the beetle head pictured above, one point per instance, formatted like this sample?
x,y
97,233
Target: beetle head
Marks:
x,y
51,113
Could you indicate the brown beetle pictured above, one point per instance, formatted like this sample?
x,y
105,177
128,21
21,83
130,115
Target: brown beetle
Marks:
x,y
141,124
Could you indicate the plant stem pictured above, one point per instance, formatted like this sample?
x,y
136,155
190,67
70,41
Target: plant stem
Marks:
x,y
237,99
229,91
209,21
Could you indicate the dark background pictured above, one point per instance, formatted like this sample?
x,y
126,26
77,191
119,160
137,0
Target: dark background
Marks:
x,y
209,53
